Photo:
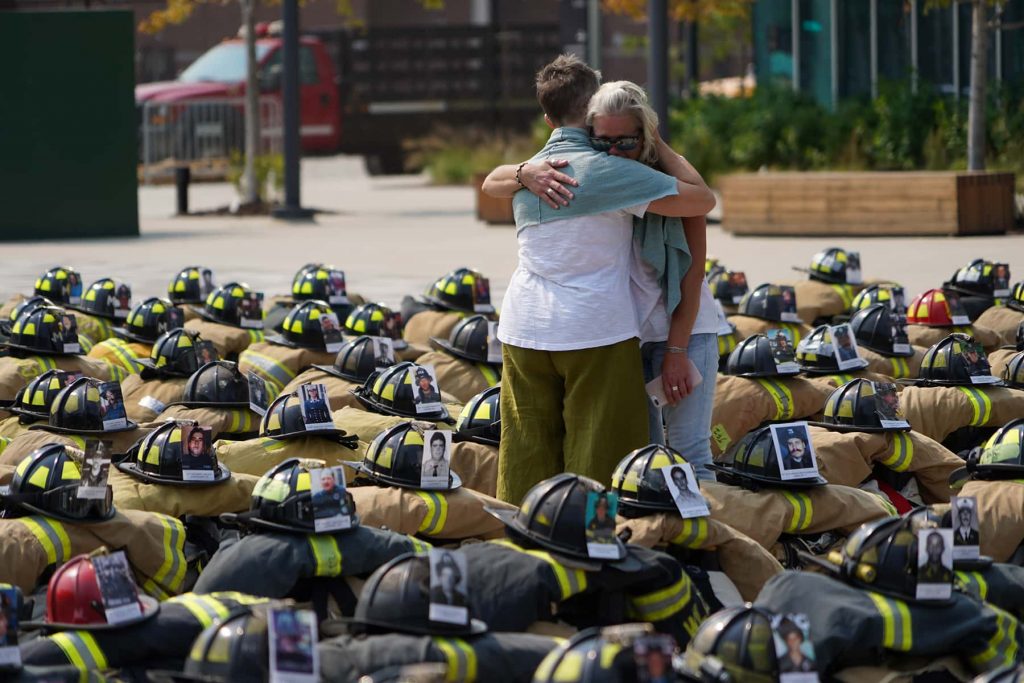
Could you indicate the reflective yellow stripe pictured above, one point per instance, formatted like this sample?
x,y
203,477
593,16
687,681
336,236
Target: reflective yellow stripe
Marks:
x,y
125,357
489,373
1002,648
841,378
81,650
845,293
461,658
896,625
902,453
437,513
168,578
570,581
803,511
419,546
981,404
693,534
52,536
973,583
782,396
900,368
663,603
268,368
204,608
241,421
43,363
326,553
255,336
794,330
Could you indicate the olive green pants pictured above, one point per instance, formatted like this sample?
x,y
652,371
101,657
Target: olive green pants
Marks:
x,y
568,411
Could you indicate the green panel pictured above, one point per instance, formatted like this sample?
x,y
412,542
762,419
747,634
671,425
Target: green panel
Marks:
x,y
773,36
815,50
934,47
893,40
1013,44
67,125
854,48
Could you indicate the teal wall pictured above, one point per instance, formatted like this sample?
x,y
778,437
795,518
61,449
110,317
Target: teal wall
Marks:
x,y
68,135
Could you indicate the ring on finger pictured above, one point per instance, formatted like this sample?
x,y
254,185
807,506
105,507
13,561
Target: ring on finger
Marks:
x,y
550,191
675,388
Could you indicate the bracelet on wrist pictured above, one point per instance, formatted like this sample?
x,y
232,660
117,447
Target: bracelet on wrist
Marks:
x,y
519,170
676,349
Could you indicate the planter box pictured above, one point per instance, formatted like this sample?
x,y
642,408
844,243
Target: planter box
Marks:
x,y
490,209
870,203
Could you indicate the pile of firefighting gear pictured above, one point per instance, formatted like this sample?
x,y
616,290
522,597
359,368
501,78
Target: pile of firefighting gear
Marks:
x,y
164,467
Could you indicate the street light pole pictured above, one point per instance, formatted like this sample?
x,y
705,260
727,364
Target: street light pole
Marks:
x,y
657,60
292,208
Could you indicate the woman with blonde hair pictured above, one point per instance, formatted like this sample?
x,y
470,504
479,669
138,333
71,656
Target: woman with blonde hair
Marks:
x,y
675,310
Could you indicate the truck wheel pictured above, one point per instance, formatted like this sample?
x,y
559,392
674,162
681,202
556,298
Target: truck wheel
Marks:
x,y
388,162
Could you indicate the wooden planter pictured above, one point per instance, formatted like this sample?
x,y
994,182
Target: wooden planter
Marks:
x,y
870,203
490,209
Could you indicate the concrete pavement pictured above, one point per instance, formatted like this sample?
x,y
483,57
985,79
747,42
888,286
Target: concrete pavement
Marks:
x,y
394,235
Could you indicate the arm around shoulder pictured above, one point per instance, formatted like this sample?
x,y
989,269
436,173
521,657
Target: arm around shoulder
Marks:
x,y
691,201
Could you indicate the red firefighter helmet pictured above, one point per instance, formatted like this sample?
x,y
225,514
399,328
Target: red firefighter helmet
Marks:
x,y
936,308
74,599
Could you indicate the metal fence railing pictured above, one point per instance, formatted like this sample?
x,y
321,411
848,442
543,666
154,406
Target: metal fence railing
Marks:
x,y
201,130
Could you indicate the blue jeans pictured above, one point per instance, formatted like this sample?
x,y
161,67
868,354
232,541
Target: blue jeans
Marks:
x,y
687,425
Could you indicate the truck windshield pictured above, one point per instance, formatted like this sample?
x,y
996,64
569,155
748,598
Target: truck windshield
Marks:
x,y
224,63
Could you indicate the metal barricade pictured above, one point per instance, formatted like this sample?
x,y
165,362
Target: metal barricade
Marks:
x,y
202,130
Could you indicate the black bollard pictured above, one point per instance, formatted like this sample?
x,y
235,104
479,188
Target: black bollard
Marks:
x,y
182,176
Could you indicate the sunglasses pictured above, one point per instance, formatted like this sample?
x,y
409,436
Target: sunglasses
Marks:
x,y
623,144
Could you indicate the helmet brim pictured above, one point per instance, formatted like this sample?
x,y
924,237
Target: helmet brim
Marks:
x,y
846,429
210,404
335,372
756,375
21,412
459,437
332,434
98,432
575,559
132,469
360,468
475,627
949,383
202,313
43,352
767,482
151,371
279,340
443,345
234,519
376,407
888,353
64,518
833,371
434,301
125,333
150,608
78,308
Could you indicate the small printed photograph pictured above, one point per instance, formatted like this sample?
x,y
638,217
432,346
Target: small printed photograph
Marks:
x,y
493,343
844,347
738,286
898,332
682,485
966,540
122,301
898,301
449,590
332,332
95,470
67,334
974,363
653,656
316,413
887,406
196,453
175,320
258,398
10,655
853,274
292,636
934,564
795,450
117,587
435,467
788,296
336,290
1001,280
602,506
250,311
391,326
207,284
783,349
482,295
331,510
793,646
112,406
383,351
74,289
206,352
426,395
957,312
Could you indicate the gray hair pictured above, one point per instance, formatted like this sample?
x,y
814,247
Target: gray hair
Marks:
x,y
619,98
